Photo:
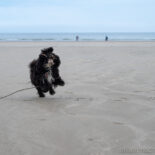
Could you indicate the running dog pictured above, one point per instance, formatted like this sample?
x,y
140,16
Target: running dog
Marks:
x,y
44,72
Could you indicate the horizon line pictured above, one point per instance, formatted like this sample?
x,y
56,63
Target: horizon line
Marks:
x,y
75,32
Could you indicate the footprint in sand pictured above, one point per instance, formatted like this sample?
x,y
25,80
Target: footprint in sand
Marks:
x,y
152,98
118,123
121,99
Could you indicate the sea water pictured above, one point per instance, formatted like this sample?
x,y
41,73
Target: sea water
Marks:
x,y
82,36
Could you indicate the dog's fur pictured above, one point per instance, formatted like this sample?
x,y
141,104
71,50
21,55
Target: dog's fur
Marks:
x,y
46,66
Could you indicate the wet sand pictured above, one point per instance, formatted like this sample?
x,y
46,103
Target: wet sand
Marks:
x,y
107,106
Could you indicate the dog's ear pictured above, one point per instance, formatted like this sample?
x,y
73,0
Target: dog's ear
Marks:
x,y
47,50
42,57
57,61
43,51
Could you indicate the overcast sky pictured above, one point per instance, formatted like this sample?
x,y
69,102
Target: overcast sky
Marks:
x,y
77,16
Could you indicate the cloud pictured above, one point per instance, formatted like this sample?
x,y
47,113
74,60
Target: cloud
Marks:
x,y
77,15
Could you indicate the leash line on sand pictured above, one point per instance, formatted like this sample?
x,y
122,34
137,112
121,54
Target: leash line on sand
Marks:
x,y
15,92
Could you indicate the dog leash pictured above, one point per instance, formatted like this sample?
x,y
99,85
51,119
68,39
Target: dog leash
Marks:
x,y
15,92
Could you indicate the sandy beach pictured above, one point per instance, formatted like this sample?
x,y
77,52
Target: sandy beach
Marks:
x,y
107,106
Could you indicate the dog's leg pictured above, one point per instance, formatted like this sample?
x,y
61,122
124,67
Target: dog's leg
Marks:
x,y
57,79
51,90
59,82
41,94
49,87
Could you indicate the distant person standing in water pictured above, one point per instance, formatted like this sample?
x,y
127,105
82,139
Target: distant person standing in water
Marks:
x,y
106,38
77,38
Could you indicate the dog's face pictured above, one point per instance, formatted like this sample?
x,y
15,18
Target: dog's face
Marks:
x,y
47,57
48,52
49,63
46,62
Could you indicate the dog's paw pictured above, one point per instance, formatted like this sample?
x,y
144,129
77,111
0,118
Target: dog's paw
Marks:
x,y
41,95
52,92
59,82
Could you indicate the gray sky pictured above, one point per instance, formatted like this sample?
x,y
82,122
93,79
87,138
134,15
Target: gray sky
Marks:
x,y
77,16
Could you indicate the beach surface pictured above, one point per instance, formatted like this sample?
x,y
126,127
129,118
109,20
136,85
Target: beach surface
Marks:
x,y
107,106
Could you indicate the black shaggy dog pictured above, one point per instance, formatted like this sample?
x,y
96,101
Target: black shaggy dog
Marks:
x,y
44,72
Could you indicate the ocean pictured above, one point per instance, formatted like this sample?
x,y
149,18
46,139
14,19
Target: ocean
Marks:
x,y
72,36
